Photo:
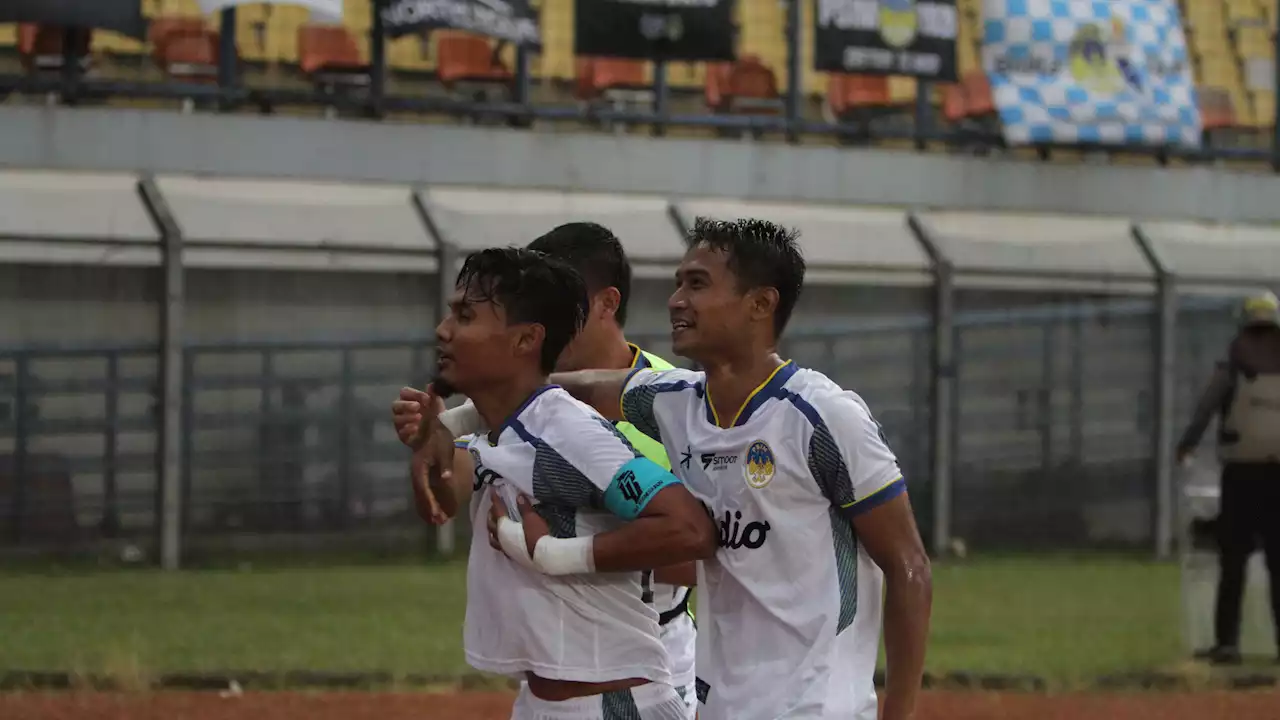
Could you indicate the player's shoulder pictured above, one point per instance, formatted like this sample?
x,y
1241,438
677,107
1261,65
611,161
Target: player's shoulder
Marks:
x,y
822,401
664,380
554,406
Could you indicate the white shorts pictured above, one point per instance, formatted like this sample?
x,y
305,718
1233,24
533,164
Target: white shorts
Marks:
x,y
653,701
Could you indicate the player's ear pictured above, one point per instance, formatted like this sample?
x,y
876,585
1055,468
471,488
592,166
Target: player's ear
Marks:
x,y
606,302
528,339
764,301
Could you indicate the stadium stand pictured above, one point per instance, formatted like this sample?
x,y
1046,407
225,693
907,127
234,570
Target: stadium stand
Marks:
x,y
281,50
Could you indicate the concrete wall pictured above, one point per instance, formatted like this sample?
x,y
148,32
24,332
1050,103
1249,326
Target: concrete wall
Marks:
x,y
120,139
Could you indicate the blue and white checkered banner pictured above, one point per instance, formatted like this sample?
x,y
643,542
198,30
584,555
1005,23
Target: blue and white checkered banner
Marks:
x,y
1106,72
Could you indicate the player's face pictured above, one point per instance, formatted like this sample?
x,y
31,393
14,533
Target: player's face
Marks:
x,y
474,344
708,312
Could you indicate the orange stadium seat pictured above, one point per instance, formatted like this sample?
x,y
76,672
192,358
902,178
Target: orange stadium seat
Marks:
x,y
953,103
328,54
747,86
461,57
596,76
41,46
849,93
185,48
978,100
1217,112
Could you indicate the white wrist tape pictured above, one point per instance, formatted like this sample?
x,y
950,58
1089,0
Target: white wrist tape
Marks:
x,y
511,538
565,556
463,420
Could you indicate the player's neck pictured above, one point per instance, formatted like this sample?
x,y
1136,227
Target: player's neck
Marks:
x,y
610,352
498,402
731,381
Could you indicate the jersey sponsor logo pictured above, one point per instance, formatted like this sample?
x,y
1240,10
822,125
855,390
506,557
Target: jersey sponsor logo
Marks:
x,y
686,457
759,467
734,534
712,461
483,475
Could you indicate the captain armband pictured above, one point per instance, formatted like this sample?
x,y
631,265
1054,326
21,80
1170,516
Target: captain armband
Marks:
x,y
463,420
634,485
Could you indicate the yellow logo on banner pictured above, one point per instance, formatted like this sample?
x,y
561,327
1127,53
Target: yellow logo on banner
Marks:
x,y
898,22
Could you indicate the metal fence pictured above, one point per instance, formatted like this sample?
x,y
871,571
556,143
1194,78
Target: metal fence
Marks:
x,y
1052,429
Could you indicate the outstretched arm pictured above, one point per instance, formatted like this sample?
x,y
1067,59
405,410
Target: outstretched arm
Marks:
x,y
601,389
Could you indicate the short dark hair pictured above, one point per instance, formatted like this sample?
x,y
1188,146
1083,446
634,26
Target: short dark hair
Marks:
x,y
761,254
596,253
532,288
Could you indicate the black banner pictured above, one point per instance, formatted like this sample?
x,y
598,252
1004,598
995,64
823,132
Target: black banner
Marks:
x,y
887,37
511,20
123,16
688,30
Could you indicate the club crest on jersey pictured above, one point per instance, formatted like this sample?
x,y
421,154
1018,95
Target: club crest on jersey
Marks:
x,y
759,468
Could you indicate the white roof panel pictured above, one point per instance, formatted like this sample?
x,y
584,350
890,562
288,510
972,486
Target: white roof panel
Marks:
x,y
1080,251
85,206
1217,253
833,236
295,214
473,219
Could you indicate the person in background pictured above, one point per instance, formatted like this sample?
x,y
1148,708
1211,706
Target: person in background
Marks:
x,y
1245,392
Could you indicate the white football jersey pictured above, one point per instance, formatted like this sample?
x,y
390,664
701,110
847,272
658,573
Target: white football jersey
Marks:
x,y
789,609
585,628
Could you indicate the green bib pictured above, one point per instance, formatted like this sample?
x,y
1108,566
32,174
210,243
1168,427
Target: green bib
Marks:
x,y
647,446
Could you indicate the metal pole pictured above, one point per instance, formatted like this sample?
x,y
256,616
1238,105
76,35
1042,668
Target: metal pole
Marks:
x,y
794,80
660,97
377,61
446,265
110,499
18,510
227,55
523,76
1164,366
172,309
924,114
943,388
1275,126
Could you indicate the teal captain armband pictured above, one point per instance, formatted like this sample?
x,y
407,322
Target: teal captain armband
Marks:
x,y
634,485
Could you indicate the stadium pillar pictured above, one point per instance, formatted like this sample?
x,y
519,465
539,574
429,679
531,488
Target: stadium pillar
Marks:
x,y
1164,516
446,268
942,397
172,308
794,90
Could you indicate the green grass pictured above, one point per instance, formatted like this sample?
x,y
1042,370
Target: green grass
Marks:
x,y
1065,619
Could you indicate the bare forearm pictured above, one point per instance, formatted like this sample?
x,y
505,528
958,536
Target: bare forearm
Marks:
x,y
651,542
908,601
601,389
